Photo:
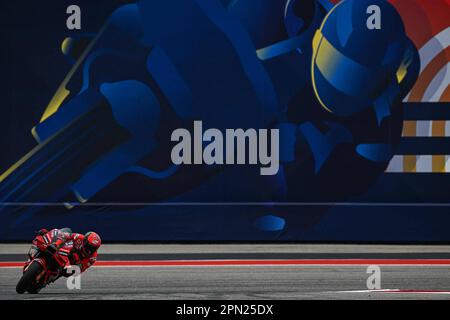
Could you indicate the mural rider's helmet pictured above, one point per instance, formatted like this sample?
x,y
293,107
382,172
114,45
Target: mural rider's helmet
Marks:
x,y
91,243
354,65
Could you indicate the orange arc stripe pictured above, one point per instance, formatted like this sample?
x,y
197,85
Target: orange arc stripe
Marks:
x,y
438,128
446,95
428,75
409,163
438,163
409,128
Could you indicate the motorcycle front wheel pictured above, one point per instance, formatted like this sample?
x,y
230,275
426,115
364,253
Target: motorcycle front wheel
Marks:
x,y
28,280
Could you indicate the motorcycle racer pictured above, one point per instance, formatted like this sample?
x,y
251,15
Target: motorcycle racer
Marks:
x,y
84,252
84,247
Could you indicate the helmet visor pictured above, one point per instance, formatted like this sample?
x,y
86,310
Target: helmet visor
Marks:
x,y
347,75
89,248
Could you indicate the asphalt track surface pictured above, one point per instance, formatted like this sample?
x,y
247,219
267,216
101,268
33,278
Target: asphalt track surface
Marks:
x,y
217,272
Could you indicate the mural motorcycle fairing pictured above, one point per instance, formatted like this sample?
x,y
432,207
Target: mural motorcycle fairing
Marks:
x,y
333,87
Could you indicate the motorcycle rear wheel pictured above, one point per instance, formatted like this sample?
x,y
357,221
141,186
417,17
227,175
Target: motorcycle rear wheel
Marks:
x,y
28,280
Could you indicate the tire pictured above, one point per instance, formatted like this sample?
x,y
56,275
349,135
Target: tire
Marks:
x,y
35,289
28,280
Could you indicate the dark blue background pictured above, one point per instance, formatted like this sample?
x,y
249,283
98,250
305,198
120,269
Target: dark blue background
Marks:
x,y
32,67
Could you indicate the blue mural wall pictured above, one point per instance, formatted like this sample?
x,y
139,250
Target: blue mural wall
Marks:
x,y
88,120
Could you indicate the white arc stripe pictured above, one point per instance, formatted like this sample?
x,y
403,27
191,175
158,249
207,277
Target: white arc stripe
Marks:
x,y
433,47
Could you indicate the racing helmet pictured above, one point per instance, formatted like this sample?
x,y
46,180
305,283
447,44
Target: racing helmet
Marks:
x,y
354,65
91,242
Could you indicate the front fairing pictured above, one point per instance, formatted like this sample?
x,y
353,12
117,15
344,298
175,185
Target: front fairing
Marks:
x,y
33,251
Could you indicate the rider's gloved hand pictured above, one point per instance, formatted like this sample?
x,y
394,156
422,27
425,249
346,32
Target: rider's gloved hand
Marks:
x,y
74,258
52,248
67,274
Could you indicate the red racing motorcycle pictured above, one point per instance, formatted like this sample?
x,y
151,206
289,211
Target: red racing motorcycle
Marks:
x,y
46,261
